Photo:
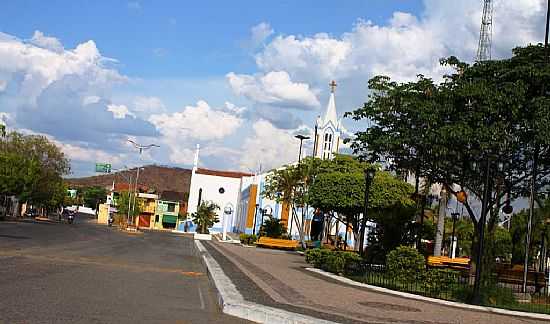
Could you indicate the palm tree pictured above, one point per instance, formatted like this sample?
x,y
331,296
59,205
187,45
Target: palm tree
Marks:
x,y
205,216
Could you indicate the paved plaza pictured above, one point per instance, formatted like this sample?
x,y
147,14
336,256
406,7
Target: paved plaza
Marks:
x,y
279,279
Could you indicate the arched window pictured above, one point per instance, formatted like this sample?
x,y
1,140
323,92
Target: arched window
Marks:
x,y
200,196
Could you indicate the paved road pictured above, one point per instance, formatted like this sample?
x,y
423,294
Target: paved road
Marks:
x,y
86,273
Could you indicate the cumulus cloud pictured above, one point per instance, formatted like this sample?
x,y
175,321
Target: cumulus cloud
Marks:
x,y
148,105
50,43
193,123
260,33
274,88
119,111
269,147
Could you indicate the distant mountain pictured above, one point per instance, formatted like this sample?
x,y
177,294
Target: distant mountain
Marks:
x,y
157,178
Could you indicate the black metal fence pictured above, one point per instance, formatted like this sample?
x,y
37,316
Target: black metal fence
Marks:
x,y
454,285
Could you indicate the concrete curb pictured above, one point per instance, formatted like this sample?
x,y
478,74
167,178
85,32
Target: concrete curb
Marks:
x,y
233,303
431,300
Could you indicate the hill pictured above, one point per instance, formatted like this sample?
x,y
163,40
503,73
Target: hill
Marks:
x,y
158,178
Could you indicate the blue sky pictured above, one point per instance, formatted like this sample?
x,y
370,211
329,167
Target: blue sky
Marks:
x,y
240,78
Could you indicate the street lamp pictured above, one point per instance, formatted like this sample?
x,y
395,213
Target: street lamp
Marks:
x,y
141,148
454,241
369,176
227,212
301,138
255,216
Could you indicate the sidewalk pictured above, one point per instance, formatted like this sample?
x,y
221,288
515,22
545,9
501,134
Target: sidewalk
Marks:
x,y
278,279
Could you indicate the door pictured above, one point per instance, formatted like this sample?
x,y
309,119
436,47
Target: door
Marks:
x,y
144,221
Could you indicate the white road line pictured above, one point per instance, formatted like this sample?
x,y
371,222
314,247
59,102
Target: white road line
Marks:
x,y
201,299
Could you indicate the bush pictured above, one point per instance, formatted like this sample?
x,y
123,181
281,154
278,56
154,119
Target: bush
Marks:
x,y
334,261
248,239
405,264
489,295
436,280
317,257
272,227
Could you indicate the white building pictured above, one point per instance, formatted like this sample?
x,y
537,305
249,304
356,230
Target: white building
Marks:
x,y
220,187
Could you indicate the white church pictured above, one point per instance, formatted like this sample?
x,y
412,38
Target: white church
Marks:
x,y
328,130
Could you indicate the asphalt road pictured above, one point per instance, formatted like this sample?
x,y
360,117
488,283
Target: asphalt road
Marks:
x,y
87,273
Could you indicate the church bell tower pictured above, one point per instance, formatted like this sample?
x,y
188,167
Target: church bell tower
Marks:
x,y
328,130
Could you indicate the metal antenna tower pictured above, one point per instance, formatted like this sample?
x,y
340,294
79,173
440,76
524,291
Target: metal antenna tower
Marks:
x,y
485,34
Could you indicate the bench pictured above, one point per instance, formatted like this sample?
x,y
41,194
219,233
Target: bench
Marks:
x,y
515,277
446,262
277,243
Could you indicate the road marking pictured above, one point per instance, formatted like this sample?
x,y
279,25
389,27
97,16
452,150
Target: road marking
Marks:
x,y
201,299
192,273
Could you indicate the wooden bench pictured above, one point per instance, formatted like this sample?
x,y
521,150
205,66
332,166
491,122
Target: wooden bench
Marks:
x,y
515,277
446,262
277,243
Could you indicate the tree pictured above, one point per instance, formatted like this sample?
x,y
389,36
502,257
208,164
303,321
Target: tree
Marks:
x,y
205,216
489,112
124,209
92,196
272,227
31,168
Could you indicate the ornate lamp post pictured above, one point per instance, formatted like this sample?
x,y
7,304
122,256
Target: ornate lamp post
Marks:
x,y
227,211
454,241
369,176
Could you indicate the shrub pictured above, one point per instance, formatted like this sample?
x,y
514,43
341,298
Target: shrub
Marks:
x,y
405,264
334,261
436,280
317,257
247,239
272,227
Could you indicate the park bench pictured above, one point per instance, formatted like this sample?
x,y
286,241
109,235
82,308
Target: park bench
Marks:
x,y
515,277
277,243
446,262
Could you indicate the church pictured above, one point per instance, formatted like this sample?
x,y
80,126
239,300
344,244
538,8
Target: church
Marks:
x,y
328,130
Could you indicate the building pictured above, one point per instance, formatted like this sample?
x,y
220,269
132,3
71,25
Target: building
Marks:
x,y
220,187
326,141
166,213
148,203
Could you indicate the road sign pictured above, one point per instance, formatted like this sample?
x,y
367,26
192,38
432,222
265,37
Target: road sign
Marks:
x,y
103,167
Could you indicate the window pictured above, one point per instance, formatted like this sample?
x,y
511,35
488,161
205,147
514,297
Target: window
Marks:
x,y
156,218
171,207
326,137
200,197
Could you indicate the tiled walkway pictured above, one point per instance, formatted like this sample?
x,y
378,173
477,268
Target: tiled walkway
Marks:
x,y
278,278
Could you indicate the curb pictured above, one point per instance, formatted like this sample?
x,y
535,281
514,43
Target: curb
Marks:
x,y
233,303
486,309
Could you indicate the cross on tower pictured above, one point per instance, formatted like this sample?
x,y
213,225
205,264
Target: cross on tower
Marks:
x,y
333,86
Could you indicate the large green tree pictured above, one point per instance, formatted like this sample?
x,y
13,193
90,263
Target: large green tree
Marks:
x,y
31,168
92,196
453,132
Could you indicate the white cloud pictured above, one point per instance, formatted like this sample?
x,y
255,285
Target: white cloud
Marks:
x,y
407,45
78,153
194,123
260,33
148,104
274,88
269,147
50,43
119,111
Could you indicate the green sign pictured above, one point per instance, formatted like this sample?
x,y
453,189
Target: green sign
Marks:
x,y
103,167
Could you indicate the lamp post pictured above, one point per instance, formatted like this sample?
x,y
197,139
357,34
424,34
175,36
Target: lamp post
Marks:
x,y
301,138
227,211
255,216
369,176
454,241
141,148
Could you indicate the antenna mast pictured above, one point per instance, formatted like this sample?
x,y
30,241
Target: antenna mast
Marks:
x,y
485,34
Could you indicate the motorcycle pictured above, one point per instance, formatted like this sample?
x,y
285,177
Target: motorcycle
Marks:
x,y
110,221
70,218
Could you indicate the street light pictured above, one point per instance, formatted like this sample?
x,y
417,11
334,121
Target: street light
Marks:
x,y
227,212
255,216
369,176
301,138
141,148
454,241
